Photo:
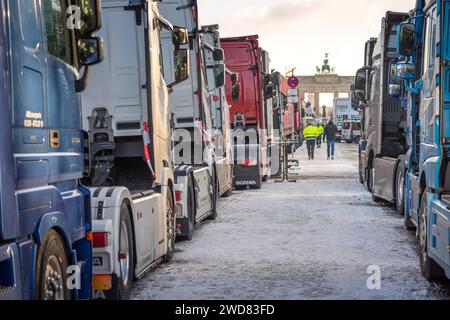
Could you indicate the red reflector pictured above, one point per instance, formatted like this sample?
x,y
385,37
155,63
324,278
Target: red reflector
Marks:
x,y
216,99
122,256
249,163
178,195
100,240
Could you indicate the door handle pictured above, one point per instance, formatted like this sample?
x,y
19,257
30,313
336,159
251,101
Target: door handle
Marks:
x,y
55,140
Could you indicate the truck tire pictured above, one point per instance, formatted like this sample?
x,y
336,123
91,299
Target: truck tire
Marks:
x,y
430,269
191,211
215,197
369,182
121,288
265,178
400,190
51,269
171,227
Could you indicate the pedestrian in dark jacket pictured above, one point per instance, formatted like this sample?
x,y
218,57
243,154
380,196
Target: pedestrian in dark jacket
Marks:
x,y
331,131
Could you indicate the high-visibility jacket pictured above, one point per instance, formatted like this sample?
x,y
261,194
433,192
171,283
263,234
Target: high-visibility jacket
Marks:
x,y
320,130
310,132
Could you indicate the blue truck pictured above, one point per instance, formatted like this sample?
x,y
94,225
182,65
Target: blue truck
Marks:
x,y
424,67
45,220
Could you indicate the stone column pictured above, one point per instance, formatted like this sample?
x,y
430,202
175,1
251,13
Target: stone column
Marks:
x,y
317,103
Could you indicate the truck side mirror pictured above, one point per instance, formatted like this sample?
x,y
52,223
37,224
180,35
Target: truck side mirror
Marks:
x,y
219,75
90,16
405,70
360,88
90,51
180,36
218,55
181,66
406,39
269,91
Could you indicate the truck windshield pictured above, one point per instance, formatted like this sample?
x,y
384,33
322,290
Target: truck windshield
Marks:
x,y
356,126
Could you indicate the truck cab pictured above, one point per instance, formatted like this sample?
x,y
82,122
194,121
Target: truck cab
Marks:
x,y
220,108
194,153
247,113
127,120
45,217
423,46
382,160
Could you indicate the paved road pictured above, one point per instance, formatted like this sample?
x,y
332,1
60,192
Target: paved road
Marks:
x,y
314,239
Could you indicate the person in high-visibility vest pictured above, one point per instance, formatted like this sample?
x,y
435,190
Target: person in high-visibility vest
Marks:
x,y
320,131
310,135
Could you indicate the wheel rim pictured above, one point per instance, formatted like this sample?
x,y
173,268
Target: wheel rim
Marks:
x,y
54,286
170,225
423,233
400,189
124,255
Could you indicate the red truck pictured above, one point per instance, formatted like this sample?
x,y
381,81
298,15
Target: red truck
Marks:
x,y
243,57
289,114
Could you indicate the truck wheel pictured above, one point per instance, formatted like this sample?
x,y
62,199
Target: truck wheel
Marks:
x,y
400,190
361,178
171,221
430,269
215,196
51,269
191,211
122,287
265,178
369,182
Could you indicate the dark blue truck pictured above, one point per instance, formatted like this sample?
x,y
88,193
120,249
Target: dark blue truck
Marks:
x,y
45,222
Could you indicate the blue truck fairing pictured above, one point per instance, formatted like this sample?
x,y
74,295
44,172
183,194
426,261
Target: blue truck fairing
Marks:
x,y
42,153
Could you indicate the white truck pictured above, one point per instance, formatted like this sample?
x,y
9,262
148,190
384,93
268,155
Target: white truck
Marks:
x,y
351,131
343,111
222,134
126,117
196,171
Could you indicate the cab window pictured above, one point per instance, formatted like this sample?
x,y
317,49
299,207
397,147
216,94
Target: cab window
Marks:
x,y
58,35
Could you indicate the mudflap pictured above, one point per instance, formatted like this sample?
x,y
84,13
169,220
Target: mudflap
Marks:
x,y
439,234
384,180
182,230
246,176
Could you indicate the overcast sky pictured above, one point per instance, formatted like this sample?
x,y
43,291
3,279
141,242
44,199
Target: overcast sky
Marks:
x,y
297,33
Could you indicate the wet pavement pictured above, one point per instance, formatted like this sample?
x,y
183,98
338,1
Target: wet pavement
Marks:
x,y
320,238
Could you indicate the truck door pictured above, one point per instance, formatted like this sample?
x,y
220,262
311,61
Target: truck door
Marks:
x,y
30,116
9,228
62,134
440,217
445,73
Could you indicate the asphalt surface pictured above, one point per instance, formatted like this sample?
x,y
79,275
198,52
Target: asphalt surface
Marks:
x,y
320,238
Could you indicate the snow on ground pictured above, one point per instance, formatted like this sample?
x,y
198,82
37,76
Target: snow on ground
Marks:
x,y
314,239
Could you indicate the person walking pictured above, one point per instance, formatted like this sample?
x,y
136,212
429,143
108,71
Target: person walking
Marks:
x,y
310,135
320,132
330,132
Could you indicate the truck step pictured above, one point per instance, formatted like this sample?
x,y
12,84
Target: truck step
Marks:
x,y
5,289
446,199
